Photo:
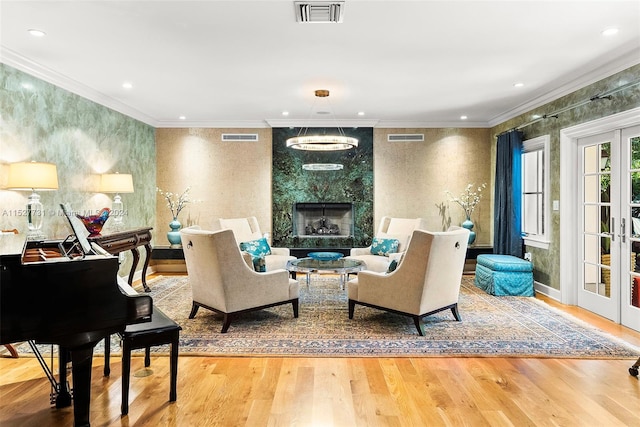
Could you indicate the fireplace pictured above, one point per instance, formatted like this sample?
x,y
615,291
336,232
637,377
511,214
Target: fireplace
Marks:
x,y
323,220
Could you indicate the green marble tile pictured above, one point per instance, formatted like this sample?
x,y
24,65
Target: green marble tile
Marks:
x,y
353,184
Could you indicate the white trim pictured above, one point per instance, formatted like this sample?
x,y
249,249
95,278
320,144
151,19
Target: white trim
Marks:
x,y
536,243
326,123
547,290
213,124
616,65
568,195
535,144
30,67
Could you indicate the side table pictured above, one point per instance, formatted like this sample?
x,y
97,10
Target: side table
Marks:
x,y
128,240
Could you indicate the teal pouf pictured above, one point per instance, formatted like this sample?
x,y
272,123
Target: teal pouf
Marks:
x,y
504,275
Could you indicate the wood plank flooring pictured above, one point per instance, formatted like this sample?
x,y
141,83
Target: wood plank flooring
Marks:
x,y
321,392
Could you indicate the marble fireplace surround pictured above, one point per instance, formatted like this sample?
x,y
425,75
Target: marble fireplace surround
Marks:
x,y
350,190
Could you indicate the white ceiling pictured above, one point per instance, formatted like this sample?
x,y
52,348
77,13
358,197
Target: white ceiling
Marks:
x,y
242,63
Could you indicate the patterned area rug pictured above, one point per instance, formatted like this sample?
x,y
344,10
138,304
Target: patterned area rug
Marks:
x,y
491,326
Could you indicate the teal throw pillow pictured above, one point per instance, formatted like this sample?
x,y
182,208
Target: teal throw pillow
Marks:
x,y
384,247
259,264
257,248
392,266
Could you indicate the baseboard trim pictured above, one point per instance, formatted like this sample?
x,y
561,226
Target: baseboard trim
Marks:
x,y
547,290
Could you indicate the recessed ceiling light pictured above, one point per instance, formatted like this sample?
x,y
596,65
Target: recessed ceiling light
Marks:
x,y
518,84
27,86
463,117
127,85
285,113
610,31
182,117
361,113
36,33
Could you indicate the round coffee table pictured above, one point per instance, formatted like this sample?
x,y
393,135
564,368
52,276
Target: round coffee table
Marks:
x,y
341,266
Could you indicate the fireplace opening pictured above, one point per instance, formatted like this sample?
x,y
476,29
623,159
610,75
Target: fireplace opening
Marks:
x,y
323,220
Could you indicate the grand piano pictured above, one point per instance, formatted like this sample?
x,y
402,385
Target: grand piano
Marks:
x,y
71,300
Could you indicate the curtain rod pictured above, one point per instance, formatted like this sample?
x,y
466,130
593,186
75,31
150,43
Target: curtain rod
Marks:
x,y
605,95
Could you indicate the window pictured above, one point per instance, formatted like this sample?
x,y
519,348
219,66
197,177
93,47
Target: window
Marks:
x,y
535,192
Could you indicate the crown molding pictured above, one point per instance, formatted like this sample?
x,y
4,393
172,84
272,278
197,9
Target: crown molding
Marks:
x,y
415,124
216,124
615,65
327,123
22,63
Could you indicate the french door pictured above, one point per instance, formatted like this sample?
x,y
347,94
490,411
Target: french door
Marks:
x,y
609,189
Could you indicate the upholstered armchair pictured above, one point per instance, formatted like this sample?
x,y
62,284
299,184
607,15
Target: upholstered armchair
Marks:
x,y
221,280
390,228
246,230
426,281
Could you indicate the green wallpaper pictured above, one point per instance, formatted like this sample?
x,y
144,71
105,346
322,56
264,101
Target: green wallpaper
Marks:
x,y
547,262
292,184
45,123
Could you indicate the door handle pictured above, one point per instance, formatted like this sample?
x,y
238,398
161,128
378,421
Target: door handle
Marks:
x,y
623,226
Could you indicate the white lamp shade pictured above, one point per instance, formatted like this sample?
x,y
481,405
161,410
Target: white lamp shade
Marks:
x,y
116,183
33,176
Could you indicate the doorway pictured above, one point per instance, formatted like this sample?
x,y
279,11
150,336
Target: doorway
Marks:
x,y
600,180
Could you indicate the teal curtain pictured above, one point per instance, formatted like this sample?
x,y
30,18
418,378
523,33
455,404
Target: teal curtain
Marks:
x,y
507,238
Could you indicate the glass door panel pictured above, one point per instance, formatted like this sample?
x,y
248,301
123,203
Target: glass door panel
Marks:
x,y
630,292
598,281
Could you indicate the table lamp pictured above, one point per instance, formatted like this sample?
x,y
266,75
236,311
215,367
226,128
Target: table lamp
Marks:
x,y
32,176
116,183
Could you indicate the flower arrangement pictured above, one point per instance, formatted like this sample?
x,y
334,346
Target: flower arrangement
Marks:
x,y
174,204
469,199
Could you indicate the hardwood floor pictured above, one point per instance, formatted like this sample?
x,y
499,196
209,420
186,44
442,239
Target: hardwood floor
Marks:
x,y
282,391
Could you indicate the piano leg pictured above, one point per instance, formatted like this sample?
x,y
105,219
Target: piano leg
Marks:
x,y
63,397
107,355
81,359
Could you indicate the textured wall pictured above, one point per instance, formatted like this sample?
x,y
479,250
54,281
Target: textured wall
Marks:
x,y
45,123
227,179
411,177
547,262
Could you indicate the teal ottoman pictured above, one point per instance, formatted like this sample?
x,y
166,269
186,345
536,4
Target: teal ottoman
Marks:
x,y
504,275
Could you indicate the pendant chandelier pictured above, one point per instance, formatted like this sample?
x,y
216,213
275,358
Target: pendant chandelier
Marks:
x,y
322,166
322,142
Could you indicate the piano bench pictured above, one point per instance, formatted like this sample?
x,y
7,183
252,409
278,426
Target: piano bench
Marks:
x,y
160,330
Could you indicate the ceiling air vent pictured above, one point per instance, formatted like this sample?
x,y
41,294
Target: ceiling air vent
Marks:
x,y
405,137
246,137
319,11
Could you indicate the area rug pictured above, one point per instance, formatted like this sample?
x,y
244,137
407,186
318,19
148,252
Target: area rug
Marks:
x,y
490,327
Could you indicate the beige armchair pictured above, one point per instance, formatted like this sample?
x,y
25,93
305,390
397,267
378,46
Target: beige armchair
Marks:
x,y
426,281
390,228
247,229
221,281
